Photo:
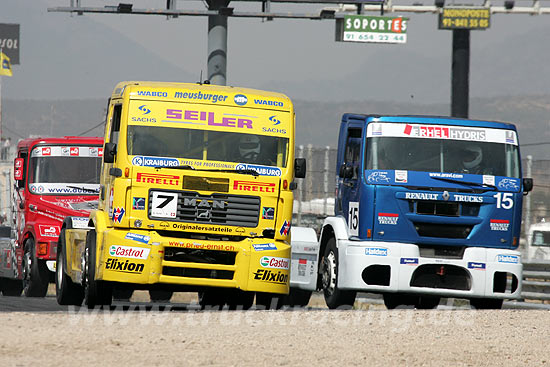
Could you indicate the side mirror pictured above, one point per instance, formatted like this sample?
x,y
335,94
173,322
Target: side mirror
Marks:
x,y
345,171
527,185
18,169
300,168
109,153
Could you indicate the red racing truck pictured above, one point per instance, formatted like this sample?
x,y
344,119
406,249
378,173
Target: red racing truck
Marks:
x,y
54,178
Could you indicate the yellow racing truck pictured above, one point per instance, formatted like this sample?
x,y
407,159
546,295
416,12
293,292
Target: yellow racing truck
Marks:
x,y
195,195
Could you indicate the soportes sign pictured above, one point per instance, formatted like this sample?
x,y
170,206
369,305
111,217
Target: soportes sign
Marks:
x,y
362,28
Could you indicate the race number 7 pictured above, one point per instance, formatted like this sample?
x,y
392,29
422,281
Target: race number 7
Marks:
x,y
164,204
504,200
353,218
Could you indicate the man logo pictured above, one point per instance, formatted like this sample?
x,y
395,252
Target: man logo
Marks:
x,y
144,109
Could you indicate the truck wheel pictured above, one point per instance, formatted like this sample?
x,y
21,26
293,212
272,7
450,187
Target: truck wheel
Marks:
x,y
269,301
392,300
122,294
486,303
159,295
297,297
212,299
427,302
240,300
96,292
11,287
334,297
35,272
66,292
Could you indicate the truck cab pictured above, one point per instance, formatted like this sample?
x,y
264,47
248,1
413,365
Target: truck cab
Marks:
x,y
425,207
54,178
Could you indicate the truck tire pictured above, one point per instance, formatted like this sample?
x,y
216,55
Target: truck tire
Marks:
x,y
427,302
297,298
159,295
36,275
11,287
240,300
269,301
334,297
122,294
486,303
212,299
66,292
96,292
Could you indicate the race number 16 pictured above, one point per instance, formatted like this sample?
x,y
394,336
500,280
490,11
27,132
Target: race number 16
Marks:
x,y
353,218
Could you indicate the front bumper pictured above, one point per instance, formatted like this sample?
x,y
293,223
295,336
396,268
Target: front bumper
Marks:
x,y
398,267
144,257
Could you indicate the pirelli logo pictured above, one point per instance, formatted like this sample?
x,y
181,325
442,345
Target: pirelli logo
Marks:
x,y
153,178
254,186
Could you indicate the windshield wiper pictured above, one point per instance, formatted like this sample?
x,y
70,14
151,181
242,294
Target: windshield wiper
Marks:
x,y
95,191
184,166
465,183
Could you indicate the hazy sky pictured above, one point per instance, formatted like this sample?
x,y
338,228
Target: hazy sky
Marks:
x,y
299,57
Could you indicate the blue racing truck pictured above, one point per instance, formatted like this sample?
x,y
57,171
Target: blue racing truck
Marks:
x,y
426,207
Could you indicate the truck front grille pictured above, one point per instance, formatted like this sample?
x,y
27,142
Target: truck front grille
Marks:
x,y
197,273
220,209
449,209
191,255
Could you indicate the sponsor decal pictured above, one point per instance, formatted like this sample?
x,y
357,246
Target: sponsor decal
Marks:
x,y
421,196
203,117
508,184
144,119
271,276
124,266
379,177
55,188
446,175
511,259
240,99
510,137
262,170
273,130
46,151
254,186
203,246
268,213
264,246
118,214
285,228
409,261
80,222
147,93
376,251
443,132
499,225
137,237
144,109
201,228
154,161
164,225
65,151
275,120
138,203
388,218
474,265
75,152
264,102
275,262
130,252
48,231
158,179
201,96
401,176
376,129
489,180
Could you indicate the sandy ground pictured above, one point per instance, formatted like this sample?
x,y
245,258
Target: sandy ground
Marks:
x,y
366,337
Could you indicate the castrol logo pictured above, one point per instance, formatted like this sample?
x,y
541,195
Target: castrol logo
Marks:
x,y
275,262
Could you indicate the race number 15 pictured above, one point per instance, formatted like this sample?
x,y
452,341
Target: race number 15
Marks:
x,y
504,200
353,218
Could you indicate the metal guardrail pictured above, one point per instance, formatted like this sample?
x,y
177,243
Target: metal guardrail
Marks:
x,y
536,281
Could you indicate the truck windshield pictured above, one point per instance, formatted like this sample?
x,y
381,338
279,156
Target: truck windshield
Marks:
x,y
541,238
64,170
160,141
442,155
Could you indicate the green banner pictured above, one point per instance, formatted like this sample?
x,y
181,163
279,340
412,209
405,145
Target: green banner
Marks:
x,y
366,28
